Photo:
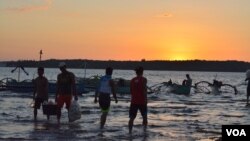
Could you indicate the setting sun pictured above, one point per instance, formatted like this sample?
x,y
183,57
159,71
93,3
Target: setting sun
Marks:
x,y
178,58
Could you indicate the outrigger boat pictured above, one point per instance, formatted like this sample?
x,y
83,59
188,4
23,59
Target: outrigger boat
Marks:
x,y
27,85
122,86
216,87
170,87
83,85
206,87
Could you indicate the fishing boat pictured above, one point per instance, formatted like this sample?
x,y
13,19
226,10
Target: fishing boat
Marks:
x,y
169,87
180,89
217,87
122,86
27,85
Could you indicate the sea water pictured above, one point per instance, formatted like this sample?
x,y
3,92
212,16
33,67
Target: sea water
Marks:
x,y
171,117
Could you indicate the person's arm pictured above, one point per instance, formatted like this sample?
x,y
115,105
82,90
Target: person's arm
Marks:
x,y
130,87
112,84
57,87
47,88
73,85
96,95
35,89
145,89
97,92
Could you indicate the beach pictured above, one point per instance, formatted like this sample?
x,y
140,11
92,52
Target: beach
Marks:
x,y
171,117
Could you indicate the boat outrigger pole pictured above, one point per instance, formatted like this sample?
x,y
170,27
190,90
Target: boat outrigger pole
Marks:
x,y
19,71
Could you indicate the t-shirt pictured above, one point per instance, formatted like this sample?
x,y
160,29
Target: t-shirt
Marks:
x,y
41,86
105,84
137,90
65,82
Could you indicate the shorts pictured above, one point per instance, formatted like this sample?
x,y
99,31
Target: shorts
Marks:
x,y
104,102
38,102
64,99
134,109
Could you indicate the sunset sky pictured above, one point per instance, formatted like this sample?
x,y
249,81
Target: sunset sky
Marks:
x,y
125,29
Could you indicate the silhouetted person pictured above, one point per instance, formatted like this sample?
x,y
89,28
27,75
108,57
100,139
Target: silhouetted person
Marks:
x,y
217,83
66,89
106,87
40,90
188,81
138,89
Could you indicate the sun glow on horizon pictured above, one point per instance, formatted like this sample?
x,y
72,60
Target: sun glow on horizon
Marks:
x,y
125,30
178,58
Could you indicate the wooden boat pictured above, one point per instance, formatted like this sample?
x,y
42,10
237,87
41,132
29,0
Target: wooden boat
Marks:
x,y
180,89
170,87
122,86
27,86
216,87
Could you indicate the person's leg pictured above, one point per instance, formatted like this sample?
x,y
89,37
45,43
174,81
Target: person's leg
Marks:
x,y
103,119
248,99
145,121
130,124
104,103
58,114
144,111
37,106
132,115
60,102
35,113
68,102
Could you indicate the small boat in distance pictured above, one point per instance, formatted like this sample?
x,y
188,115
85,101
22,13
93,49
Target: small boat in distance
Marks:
x,y
217,87
170,87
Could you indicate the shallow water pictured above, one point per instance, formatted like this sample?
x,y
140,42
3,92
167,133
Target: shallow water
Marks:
x,y
171,117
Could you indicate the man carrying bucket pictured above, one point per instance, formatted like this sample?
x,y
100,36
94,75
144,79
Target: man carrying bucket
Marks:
x,y
40,90
66,88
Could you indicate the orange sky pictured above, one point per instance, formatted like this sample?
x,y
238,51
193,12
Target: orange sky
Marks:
x,y
125,30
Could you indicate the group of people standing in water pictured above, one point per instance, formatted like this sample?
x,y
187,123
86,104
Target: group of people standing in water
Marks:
x,y
66,91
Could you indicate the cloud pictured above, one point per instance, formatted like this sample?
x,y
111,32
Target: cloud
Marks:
x,y
45,6
165,15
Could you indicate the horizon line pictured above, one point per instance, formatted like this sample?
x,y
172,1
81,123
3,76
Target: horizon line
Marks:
x,y
142,60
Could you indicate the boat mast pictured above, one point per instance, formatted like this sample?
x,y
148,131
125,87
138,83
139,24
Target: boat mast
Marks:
x,y
41,53
18,78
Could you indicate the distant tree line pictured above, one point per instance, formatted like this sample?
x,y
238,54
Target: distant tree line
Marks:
x,y
190,65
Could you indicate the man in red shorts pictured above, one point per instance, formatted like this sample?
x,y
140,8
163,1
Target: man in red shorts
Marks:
x,y
138,89
66,88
